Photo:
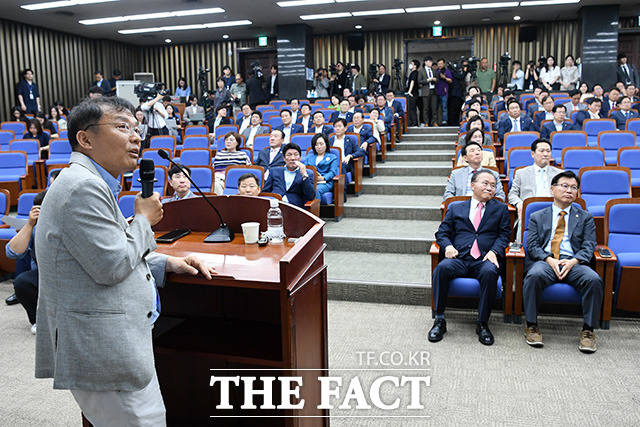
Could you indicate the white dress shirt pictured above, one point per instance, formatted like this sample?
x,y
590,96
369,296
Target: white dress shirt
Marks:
x,y
558,126
469,191
273,152
515,125
339,142
273,82
542,181
252,135
565,245
246,122
473,208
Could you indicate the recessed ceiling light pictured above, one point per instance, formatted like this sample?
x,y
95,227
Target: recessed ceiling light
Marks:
x,y
436,22
516,18
302,3
325,16
486,19
158,15
225,36
378,12
167,40
185,27
62,3
490,5
358,27
547,2
432,8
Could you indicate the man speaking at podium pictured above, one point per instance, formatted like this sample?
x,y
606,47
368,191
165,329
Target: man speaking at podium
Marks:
x,y
98,299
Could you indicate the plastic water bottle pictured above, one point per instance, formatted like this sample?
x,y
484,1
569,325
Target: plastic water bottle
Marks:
x,y
275,223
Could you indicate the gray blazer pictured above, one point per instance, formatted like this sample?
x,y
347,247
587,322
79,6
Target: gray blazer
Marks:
x,y
188,112
524,183
423,84
262,130
96,286
457,184
582,235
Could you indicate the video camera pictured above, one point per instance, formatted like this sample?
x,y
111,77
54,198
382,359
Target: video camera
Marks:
x,y
373,70
256,69
397,65
504,59
202,80
148,91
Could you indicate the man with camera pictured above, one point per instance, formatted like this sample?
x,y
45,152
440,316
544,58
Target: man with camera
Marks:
x,y
254,90
338,78
456,92
383,80
155,110
517,76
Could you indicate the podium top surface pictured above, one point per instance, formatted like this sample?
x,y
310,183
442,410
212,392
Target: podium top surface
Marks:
x,y
234,260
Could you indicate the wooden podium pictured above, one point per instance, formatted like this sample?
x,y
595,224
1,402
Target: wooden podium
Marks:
x,y
265,309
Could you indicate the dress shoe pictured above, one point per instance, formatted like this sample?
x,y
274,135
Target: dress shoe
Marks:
x,y
12,300
438,330
484,334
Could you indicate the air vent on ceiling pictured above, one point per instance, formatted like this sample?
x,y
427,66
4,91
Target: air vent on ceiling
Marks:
x,y
64,13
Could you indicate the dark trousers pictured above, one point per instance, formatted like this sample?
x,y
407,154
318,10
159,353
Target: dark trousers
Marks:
x,y
581,277
451,268
411,111
430,108
26,287
158,131
455,104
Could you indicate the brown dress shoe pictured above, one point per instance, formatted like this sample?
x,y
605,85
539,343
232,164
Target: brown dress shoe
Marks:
x,y
587,342
533,336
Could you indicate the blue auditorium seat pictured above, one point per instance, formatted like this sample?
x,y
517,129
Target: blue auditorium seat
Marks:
x,y
517,157
568,138
59,152
629,157
196,130
259,143
152,153
196,142
5,137
611,141
275,121
574,158
594,126
599,185
264,108
18,128
195,157
126,204
232,174
168,142
25,203
519,140
159,186
267,115
29,146
633,125
222,130
203,177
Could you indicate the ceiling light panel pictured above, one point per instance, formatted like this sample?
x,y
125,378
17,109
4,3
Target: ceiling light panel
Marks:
x,y
378,12
432,8
489,5
302,3
186,27
547,2
325,16
62,3
157,15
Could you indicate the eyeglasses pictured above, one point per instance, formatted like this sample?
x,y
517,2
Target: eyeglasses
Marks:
x,y
122,127
566,187
487,184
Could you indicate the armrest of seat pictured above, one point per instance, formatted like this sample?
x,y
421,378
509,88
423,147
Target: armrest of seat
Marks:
x,y
358,163
338,195
434,252
600,258
313,206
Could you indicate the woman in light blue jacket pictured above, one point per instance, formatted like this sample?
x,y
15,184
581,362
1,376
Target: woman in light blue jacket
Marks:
x,y
325,162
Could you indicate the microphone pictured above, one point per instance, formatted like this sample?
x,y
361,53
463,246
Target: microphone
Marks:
x,y
147,177
222,234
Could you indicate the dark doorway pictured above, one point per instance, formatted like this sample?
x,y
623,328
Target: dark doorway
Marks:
x,y
266,58
629,44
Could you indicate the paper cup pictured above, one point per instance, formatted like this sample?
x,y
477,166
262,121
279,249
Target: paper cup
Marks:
x,y
250,230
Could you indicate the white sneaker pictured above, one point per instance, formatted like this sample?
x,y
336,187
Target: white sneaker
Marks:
x,y
33,329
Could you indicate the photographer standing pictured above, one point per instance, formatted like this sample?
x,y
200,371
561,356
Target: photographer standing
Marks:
x,y
517,76
531,76
254,90
383,80
340,81
156,114
456,92
321,83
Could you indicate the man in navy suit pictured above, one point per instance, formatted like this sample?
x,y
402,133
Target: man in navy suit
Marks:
x,y
287,126
319,126
557,124
621,116
102,83
383,80
560,243
546,114
343,113
472,237
304,118
538,94
515,122
395,105
592,112
293,182
271,156
347,143
245,119
386,112
609,102
365,132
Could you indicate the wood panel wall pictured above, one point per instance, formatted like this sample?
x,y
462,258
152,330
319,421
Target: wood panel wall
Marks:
x,y
63,64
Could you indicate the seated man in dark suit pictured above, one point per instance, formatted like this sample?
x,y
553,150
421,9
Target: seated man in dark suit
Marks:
x,y
287,126
560,250
515,121
558,123
394,104
343,113
347,143
319,126
592,112
609,102
502,105
271,156
472,237
245,119
292,182
538,94
365,132
386,113
220,119
304,118
624,113
546,114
